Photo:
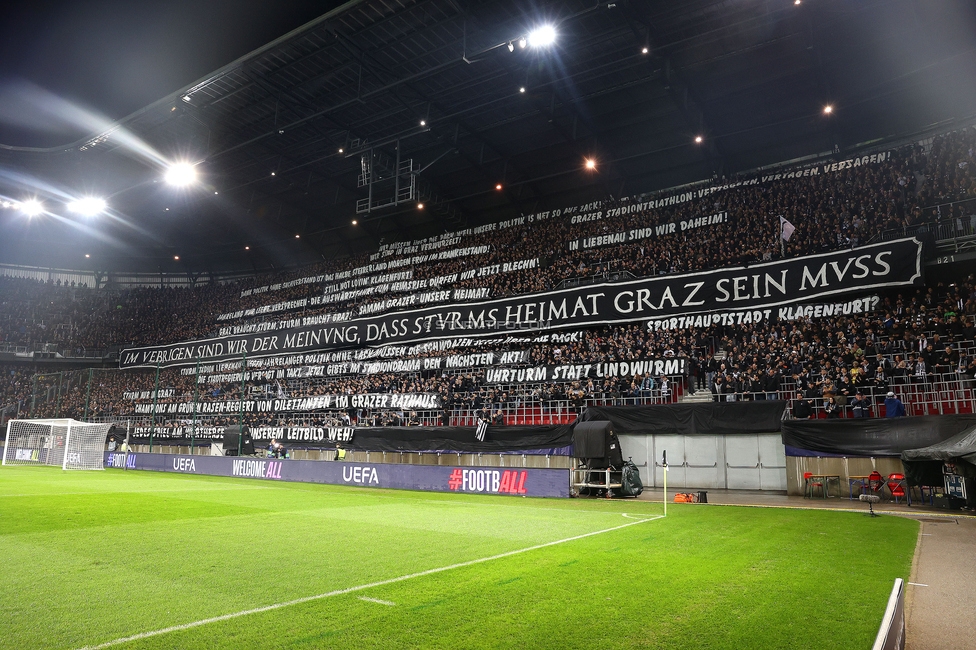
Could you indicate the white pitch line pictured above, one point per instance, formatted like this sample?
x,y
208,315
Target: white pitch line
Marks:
x,y
378,601
917,584
349,590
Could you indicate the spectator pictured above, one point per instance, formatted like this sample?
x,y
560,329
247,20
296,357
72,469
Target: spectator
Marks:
x,y
831,408
801,408
893,406
860,406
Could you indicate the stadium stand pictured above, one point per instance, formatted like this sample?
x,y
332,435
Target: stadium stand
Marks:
x,y
918,343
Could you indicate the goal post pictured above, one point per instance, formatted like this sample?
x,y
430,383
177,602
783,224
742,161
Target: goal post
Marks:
x,y
67,443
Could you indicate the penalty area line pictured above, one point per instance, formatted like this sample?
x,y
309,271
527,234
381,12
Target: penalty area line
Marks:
x,y
349,590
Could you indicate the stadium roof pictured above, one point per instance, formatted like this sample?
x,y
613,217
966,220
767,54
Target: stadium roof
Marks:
x,y
282,136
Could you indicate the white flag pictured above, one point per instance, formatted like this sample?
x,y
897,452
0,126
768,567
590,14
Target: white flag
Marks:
x,y
481,431
786,228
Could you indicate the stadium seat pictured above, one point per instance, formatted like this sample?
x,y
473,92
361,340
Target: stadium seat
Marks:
x,y
896,486
810,483
876,483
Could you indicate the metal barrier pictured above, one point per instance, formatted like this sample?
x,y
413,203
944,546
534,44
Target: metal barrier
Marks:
x,y
891,636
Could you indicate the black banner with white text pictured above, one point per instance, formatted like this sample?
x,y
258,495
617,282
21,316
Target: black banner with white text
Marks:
x,y
766,285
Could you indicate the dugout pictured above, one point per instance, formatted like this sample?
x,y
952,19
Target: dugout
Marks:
x,y
849,447
950,464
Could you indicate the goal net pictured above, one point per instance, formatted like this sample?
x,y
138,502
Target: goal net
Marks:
x,y
68,443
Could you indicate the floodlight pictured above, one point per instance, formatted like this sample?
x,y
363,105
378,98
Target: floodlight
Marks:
x,y
828,109
181,174
420,206
698,139
355,222
797,2
590,163
272,173
643,50
542,36
32,207
521,89
511,46
423,122
522,42
176,257
247,248
87,255
298,236
498,186
340,149
88,206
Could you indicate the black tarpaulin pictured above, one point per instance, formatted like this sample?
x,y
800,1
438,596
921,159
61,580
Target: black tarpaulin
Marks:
x,y
497,439
923,466
715,418
960,446
873,436
590,439
596,442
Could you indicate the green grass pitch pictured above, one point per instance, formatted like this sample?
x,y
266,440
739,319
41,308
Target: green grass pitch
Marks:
x,y
88,558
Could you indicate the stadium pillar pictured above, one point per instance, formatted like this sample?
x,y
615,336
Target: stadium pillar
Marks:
x,y
196,399
240,421
152,420
88,393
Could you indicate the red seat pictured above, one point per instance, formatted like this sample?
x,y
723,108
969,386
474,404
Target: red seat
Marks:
x,y
876,483
896,485
810,484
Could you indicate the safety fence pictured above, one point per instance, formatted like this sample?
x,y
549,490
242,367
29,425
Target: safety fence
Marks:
x,y
188,400
191,405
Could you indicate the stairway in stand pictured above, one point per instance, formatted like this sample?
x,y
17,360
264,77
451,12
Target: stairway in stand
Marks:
x,y
698,397
703,394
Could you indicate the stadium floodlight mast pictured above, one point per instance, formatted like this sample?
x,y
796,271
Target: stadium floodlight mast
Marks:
x,y
181,174
88,206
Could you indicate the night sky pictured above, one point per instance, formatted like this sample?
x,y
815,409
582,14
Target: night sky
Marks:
x,y
116,56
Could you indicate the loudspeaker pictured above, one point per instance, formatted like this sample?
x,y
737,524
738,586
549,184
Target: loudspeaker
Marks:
x,y
232,441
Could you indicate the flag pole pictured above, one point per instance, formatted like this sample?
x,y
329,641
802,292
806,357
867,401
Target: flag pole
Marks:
x,y
782,242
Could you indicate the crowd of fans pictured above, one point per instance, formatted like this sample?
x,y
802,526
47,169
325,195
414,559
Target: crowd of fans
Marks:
x,y
921,340
917,337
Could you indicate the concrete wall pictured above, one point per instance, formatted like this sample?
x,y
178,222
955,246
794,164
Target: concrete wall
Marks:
x,y
739,462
